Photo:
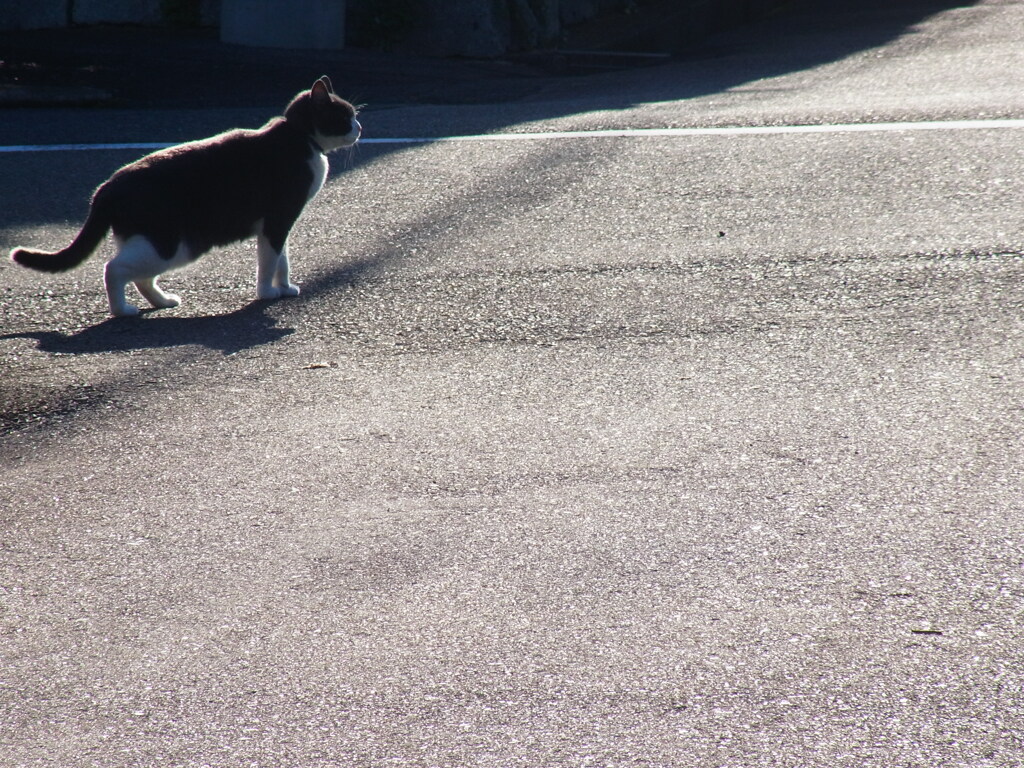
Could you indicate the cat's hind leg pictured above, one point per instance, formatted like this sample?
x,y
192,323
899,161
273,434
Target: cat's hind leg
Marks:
x,y
272,271
154,295
137,261
116,276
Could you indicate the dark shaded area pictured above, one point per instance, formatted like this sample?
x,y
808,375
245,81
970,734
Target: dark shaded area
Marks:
x,y
239,330
191,68
35,204
25,407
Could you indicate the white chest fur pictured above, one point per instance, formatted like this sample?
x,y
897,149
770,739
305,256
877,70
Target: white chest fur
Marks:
x,y
317,164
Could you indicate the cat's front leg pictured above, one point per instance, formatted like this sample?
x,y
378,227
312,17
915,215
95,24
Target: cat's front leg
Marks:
x,y
281,278
116,280
272,271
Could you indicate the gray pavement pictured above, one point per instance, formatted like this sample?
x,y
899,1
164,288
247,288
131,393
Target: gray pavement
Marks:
x,y
679,451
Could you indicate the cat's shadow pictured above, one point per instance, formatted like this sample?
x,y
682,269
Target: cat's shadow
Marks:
x,y
236,331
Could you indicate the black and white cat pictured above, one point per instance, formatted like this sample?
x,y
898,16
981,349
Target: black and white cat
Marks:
x,y
172,206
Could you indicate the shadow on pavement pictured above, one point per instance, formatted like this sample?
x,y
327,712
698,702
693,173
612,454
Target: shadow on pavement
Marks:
x,y
242,329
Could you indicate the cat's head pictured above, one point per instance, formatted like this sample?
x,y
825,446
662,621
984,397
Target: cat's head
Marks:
x,y
329,121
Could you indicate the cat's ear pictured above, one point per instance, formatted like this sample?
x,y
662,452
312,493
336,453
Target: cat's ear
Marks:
x,y
327,83
319,93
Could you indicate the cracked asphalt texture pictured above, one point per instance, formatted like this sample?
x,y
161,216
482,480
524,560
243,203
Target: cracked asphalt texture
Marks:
x,y
686,451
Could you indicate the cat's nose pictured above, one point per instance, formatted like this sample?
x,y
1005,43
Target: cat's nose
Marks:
x,y
357,129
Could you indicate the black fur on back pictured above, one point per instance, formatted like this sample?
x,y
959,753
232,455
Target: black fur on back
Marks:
x,y
213,192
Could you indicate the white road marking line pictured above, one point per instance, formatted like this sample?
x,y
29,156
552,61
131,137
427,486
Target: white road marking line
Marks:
x,y
15,148
750,130
615,133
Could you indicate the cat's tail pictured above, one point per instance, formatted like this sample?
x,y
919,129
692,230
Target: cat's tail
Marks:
x,y
92,234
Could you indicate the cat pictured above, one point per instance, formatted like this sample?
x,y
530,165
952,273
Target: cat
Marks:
x,y
174,205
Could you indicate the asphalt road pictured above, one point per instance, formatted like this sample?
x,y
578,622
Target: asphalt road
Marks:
x,y
664,451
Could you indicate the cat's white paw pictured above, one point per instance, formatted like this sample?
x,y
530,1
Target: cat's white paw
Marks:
x,y
277,291
166,301
125,310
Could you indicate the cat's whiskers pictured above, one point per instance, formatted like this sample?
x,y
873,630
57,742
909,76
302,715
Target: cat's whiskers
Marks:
x,y
349,161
